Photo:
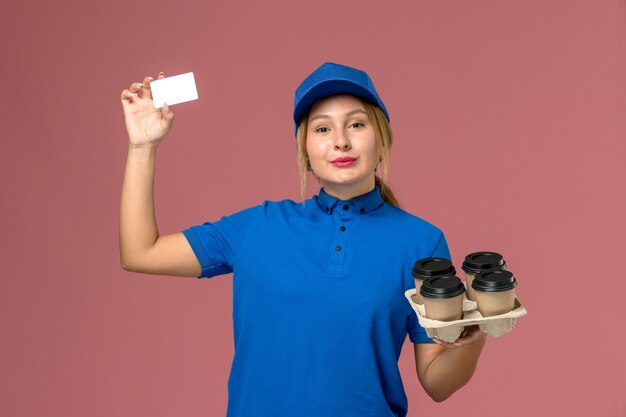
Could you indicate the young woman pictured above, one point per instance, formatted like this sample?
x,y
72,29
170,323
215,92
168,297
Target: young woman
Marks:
x,y
319,310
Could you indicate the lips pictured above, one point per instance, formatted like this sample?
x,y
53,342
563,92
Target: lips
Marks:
x,y
344,161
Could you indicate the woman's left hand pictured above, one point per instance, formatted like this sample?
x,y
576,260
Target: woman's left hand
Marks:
x,y
470,335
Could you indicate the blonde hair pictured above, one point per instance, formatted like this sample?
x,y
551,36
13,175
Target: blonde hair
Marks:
x,y
384,139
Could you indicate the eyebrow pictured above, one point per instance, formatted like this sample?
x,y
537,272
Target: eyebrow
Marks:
x,y
325,116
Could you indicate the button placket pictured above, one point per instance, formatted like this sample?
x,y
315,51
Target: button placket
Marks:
x,y
343,215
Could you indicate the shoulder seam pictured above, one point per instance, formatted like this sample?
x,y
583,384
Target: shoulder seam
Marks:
x,y
437,244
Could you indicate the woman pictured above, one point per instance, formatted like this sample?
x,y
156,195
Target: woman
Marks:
x,y
318,287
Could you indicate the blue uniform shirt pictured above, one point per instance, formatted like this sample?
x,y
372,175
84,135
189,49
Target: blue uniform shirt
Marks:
x,y
319,310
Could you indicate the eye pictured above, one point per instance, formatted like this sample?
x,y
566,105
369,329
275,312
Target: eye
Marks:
x,y
322,129
356,125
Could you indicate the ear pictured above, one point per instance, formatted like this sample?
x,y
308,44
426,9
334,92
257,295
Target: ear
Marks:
x,y
380,160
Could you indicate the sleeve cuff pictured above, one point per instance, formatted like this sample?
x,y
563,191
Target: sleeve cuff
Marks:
x,y
421,337
209,268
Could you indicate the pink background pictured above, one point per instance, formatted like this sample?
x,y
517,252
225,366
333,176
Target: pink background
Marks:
x,y
509,127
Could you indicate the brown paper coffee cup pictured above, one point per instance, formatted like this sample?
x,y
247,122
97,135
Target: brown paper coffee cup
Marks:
x,y
448,309
443,298
495,292
418,297
469,278
428,268
495,303
477,262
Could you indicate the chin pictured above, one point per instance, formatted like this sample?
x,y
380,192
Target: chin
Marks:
x,y
344,181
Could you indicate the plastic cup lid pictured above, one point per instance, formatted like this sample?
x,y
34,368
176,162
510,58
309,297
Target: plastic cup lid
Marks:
x,y
442,287
432,267
494,281
483,261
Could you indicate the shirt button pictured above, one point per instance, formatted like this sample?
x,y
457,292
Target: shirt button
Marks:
x,y
337,248
342,228
362,210
345,207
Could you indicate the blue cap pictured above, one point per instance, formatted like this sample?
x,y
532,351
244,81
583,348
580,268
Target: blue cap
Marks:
x,y
330,79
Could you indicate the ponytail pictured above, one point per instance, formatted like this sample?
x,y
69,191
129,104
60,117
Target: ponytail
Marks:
x,y
386,193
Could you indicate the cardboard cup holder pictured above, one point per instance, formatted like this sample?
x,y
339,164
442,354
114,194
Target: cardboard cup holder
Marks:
x,y
449,331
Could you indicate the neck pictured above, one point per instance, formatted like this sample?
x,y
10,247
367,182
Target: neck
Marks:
x,y
348,192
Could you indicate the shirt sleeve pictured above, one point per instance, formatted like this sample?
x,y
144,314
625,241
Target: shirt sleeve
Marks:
x,y
441,249
417,334
216,243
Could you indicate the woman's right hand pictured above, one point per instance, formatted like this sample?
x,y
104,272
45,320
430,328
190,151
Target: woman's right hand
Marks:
x,y
146,126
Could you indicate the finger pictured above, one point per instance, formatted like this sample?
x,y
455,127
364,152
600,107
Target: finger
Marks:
x,y
161,75
168,115
146,87
126,96
136,88
450,345
465,336
471,337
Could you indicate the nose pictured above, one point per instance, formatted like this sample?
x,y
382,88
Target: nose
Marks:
x,y
342,143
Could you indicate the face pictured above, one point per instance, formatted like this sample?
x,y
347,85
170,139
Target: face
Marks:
x,y
341,145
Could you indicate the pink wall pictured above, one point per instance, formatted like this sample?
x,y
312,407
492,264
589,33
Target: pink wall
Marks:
x,y
520,103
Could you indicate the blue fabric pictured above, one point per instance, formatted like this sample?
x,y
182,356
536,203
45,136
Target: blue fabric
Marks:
x,y
330,79
319,313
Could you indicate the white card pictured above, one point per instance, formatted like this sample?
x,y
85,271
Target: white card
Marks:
x,y
174,90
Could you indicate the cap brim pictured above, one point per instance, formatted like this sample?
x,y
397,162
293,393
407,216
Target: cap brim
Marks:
x,y
329,88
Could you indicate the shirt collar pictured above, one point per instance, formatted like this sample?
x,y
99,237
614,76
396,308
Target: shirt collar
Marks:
x,y
364,203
